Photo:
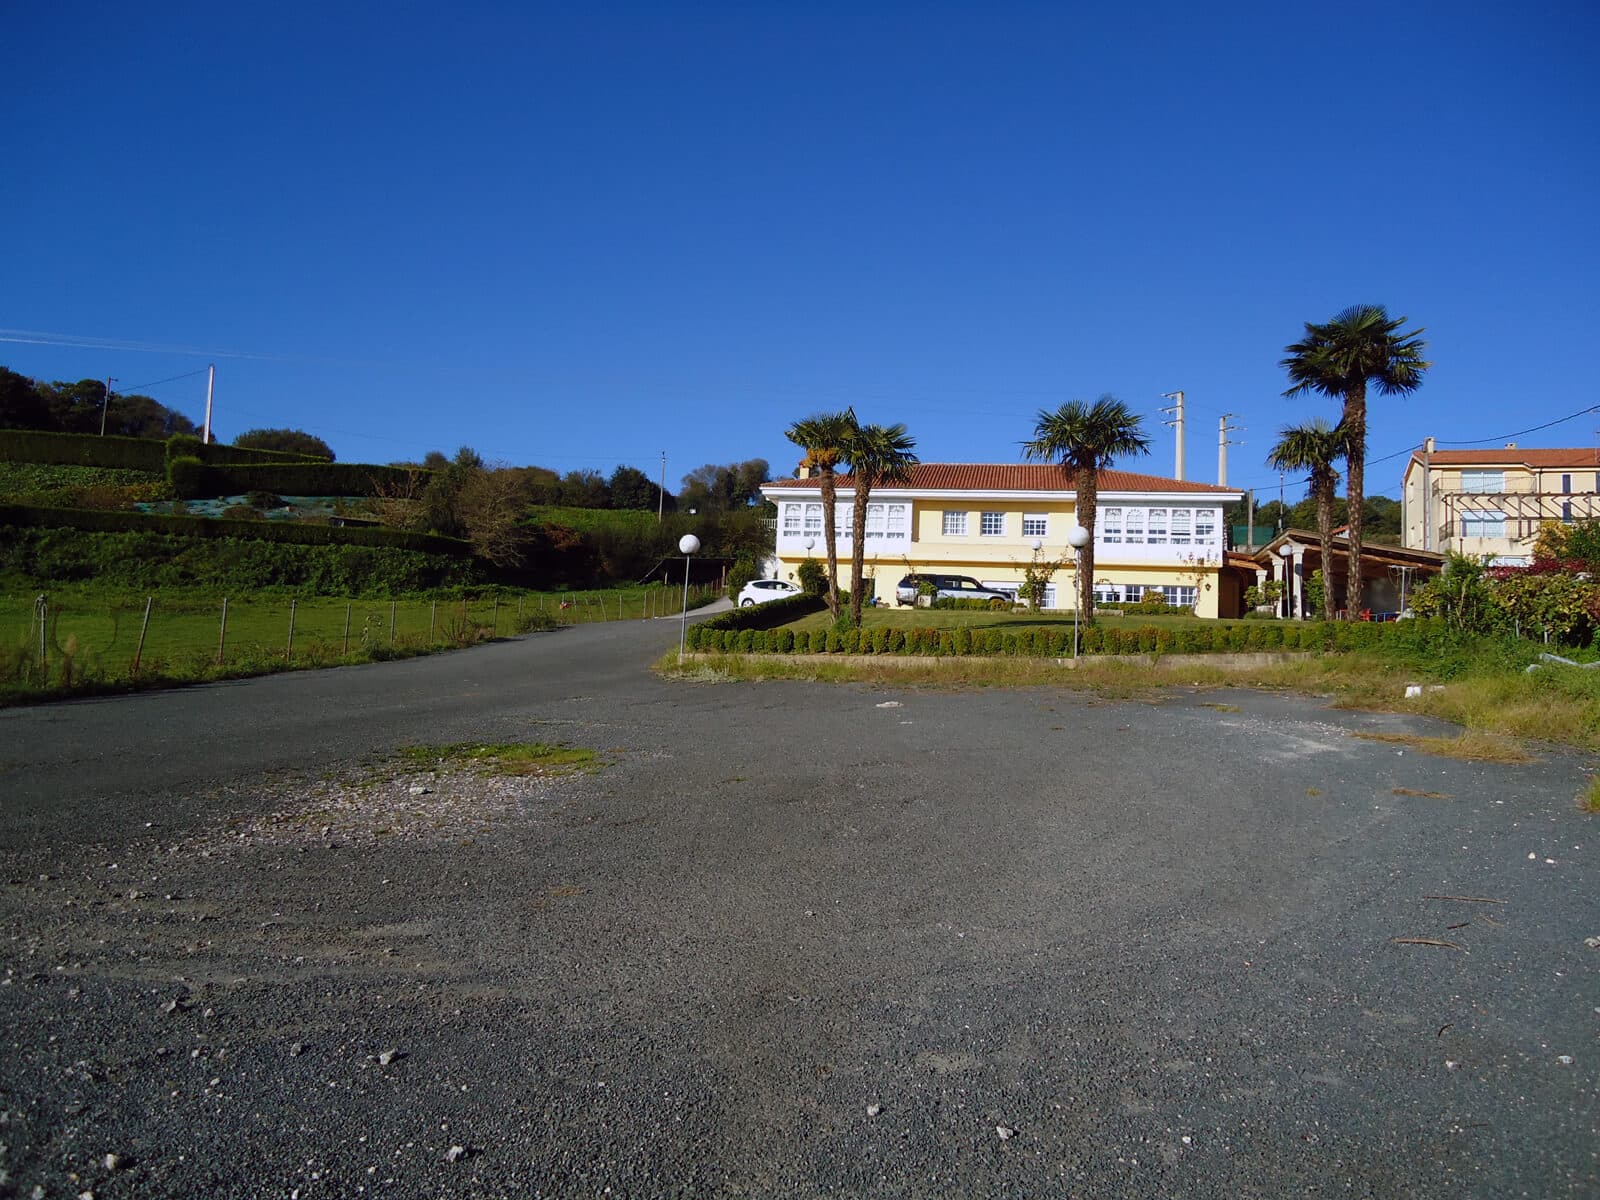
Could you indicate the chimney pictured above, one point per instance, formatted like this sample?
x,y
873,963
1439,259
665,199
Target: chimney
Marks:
x,y
803,471
1511,445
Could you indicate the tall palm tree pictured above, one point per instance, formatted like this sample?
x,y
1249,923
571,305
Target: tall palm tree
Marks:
x,y
823,437
877,454
1084,438
1360,346
1315,447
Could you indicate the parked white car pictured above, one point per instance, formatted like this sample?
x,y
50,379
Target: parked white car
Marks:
x,y
759,591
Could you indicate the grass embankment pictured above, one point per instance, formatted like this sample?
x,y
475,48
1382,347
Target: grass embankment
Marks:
x,y
92,636
1481,684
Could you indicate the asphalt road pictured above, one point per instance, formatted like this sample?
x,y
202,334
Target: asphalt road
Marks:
x,y
790,940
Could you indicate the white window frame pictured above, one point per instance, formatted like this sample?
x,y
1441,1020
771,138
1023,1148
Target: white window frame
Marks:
x,y
1481,483
813,522
1111,525
954,523
1180,521
1205,525
896,517
1035,525
1133,526
874,520
1180,596
793,515
1488,525
991,524
1155,527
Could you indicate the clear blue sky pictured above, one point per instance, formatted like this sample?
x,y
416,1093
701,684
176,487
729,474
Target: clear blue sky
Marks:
x,y
577,235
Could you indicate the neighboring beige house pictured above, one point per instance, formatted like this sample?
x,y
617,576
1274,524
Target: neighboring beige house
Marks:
x,y
982,520
1492,502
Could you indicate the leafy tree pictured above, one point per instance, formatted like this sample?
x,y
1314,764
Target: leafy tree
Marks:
x,y
724,488
22,405
823,437
1361,346
491,507
291,441
1085,438
585,489
632,488
1315,447
877,454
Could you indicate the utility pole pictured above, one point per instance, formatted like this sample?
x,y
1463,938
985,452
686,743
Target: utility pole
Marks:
x,y
211,387
105,403
1223,430
661,489
1427,493
1250,516
1177,424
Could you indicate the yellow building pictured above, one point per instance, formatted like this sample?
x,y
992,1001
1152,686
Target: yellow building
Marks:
x,y
983,521
1492,502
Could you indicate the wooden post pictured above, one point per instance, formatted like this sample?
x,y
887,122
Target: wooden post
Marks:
x,y
433,617
138,651
288,654
347,627
391,622
222,634
494,618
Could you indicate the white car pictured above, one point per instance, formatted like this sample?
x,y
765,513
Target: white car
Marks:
x,y
759,591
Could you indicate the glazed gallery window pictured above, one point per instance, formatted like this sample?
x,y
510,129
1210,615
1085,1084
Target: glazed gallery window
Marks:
x,y
814,519
1205,524
1182,521
1156,527
791,519
1111,525
955,524
1483,524
1483,481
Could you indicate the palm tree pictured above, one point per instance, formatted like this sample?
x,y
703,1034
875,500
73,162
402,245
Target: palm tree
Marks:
x,y
1084,438
1360,346
1315,447
823,437
877,454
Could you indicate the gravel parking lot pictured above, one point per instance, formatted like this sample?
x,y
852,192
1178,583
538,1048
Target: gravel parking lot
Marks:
x,y
787,940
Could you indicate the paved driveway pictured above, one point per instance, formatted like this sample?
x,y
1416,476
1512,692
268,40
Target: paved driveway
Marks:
x,y
791,940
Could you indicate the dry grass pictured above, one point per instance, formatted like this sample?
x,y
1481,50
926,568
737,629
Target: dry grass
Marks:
x,y
1405,791
1472,746
1589,801
504,759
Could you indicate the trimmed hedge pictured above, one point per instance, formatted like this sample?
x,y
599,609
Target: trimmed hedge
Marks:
x,y
311,478
714,636
83,450
760,616
102,521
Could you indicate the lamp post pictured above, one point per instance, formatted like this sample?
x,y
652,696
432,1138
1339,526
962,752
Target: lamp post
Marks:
x,y
1077,538
1286,553
688,545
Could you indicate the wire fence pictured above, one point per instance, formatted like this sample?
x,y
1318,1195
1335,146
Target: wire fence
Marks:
x,y
68,642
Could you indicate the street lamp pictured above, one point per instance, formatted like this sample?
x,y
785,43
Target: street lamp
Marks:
x,y
1077,537
688,545
1286,552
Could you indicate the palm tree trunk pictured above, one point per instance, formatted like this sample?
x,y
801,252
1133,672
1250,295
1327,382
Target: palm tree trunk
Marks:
x,y
1088,500
1355,425
830,534
858,551
1325,535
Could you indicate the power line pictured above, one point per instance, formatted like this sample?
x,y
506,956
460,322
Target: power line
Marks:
x,y
171,379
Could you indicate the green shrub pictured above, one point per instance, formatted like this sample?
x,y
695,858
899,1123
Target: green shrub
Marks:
x,y
187,476
82,449
765,616
961,641
818,641
813,579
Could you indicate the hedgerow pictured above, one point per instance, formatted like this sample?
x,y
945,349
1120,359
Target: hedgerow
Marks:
x,y
104,521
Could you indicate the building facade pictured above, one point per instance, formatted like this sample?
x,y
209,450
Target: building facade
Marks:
x,y
1493,502
984,520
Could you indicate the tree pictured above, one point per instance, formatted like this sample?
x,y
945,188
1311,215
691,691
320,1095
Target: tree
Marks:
x,y
1084,438
492,505
585,489
1361,346
290,441
877,454
823,437
724,488
632,488
22,404
1315,447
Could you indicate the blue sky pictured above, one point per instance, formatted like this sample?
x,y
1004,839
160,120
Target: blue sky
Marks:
x,y
578,235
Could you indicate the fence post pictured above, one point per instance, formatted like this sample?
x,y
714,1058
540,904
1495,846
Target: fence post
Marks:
x,y
391,622
288,654
433,617
138,651
41,613
222,634
494,618
347,627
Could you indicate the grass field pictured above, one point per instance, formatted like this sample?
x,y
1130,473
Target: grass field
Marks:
x,y
92,639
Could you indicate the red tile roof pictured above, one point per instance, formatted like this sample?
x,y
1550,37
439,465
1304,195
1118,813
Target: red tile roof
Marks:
x,y
1586,456
1010,477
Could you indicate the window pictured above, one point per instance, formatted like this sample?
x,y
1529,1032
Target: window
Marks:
x,y
874,520
1566,483
1035,525
1111,525
1566,512
896,522
813,518
791,520
1133,525
992,524
1205,524
1483,525
1156,530
1483,481
1107,593
955,524
1181,597
1132,592
1181,521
